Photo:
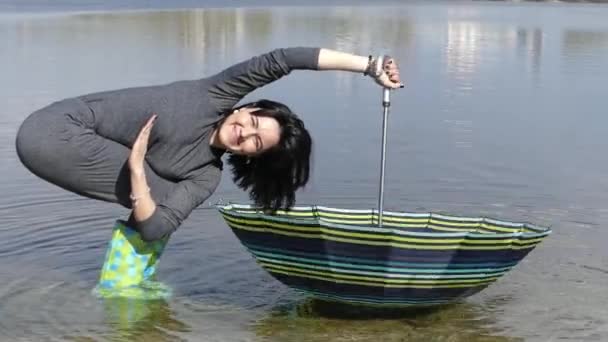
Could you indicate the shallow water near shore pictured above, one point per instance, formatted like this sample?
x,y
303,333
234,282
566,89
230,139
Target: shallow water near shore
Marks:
x,y
503,116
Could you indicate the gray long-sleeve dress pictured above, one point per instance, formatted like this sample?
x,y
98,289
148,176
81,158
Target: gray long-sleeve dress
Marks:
x,y
82,144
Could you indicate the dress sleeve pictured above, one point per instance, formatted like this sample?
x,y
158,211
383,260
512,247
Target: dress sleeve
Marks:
x,y
229,86
177,205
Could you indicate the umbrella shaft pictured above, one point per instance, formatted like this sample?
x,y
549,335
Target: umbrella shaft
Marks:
x,y
382,162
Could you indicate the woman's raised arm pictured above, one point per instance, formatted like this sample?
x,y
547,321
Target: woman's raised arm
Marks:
x,y
228,87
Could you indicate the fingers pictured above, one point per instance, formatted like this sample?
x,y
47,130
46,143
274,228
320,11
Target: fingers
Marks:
x,y
393,76
384,81
144,133
140,146
392,71
148,126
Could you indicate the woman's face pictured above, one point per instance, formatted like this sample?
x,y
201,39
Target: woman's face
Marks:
x,y
245,133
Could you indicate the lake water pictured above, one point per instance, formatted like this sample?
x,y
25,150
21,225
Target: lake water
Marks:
x,y
504,114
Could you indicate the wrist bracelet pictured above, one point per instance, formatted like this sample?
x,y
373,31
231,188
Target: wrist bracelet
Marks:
x,y
369,66
134,198
375,65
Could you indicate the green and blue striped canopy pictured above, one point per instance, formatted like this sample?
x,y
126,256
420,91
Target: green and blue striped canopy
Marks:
x,y
413,259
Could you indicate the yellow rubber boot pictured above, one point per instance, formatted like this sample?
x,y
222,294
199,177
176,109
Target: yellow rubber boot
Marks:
x,y
130,263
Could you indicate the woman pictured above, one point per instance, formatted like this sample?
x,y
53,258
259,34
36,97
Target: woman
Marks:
x,y
94,145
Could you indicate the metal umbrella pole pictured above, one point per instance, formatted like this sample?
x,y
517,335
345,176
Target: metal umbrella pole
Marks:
x,y
386,103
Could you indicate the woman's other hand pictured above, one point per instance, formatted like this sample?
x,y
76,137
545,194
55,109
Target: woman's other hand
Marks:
x,y
140,146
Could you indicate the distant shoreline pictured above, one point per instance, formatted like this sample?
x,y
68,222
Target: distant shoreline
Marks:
x,y
69,6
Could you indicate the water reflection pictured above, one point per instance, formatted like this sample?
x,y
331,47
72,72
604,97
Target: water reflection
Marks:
x,y
530,46
48,303
141,320
582,41
584,52
316,320
472,46
462,48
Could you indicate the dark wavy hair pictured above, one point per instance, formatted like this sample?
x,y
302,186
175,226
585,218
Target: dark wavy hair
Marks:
x,y
273,177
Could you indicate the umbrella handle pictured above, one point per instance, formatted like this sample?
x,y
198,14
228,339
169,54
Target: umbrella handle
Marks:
x,y
386,103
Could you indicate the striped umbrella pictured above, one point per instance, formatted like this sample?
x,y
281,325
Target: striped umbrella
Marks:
x,y
413,259
375,257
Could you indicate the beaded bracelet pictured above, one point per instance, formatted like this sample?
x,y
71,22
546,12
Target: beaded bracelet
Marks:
x,y
373,69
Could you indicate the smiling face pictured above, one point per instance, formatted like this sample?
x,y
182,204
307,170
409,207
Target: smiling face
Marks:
x,y
245,133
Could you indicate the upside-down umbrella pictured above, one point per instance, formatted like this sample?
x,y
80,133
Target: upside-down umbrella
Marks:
x,y
376,257
413,259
